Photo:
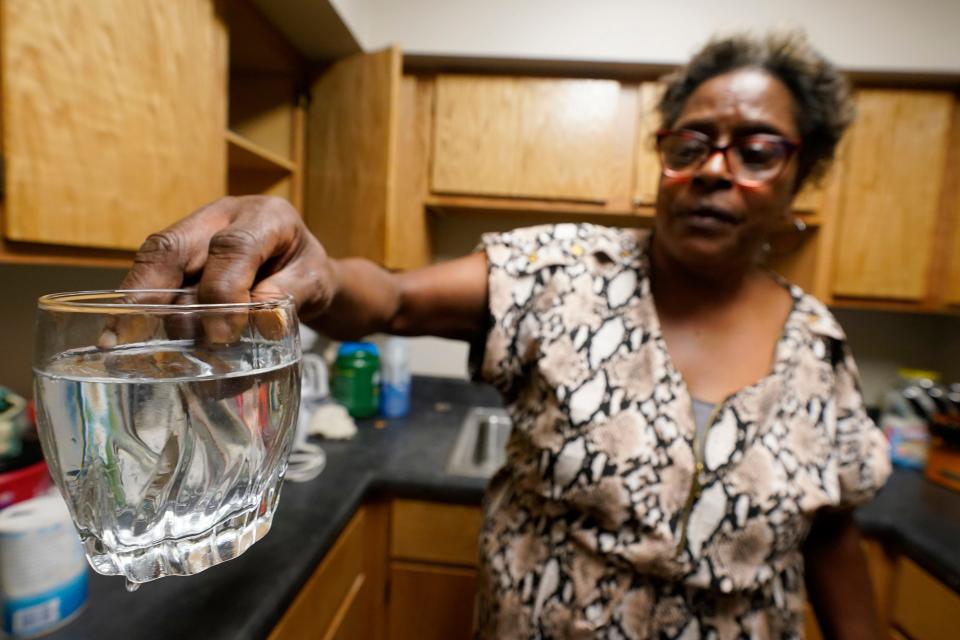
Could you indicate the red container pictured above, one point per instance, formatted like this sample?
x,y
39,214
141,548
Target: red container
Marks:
x,y
23,484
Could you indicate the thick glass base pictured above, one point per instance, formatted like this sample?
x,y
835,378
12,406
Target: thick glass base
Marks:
x,y
185,556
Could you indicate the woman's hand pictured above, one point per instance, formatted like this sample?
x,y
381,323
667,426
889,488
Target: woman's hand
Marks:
x,y
260,244
235,246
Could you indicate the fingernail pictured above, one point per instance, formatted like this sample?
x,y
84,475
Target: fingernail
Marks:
x,y
107,340
271,323
217,330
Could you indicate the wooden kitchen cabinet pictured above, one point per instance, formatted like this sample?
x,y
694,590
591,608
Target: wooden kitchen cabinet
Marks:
x,y
400,569
266,136
122,117
433,558
952,293
522,137
358,196
432,532
430,602
343,599
923,607
646,159
951,206
889,204
114,116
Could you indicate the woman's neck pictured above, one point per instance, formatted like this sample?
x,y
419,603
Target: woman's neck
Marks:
x,y
679,289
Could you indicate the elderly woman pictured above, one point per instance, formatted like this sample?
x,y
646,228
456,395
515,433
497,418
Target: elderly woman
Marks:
x,y
689,436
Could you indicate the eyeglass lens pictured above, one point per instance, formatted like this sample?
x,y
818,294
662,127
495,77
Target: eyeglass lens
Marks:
x,y
754,159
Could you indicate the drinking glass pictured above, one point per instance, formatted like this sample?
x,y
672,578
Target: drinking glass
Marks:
x,y
166,423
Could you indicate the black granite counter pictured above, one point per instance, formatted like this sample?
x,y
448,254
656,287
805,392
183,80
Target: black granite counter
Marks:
x,y
919,518
244,598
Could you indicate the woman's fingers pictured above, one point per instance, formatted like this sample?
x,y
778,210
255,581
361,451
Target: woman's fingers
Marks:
x,y
163,261
231,244
309,279
266,236
167,257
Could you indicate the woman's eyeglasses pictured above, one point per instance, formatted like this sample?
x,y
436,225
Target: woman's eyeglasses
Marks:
x,y
753,160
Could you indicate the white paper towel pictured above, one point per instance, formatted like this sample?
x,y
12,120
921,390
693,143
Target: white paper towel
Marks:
x,y
43,572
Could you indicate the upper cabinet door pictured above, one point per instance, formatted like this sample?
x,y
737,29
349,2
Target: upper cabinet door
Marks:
x,y
951,288
891,192
647,161
544,138
352,134
114,115
952,292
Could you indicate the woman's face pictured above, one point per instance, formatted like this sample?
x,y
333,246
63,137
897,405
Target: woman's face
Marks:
x,y
708,221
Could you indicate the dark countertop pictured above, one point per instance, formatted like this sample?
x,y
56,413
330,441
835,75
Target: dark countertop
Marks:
x,y
244,598
921,520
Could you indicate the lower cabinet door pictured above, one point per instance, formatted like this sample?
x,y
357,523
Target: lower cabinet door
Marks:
x,y
354,620
429,602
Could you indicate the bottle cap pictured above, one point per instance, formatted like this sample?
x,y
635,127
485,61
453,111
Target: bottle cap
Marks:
x,y
919,374
352,348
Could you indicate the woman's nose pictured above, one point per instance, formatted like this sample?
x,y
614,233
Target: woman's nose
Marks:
x,y
714,171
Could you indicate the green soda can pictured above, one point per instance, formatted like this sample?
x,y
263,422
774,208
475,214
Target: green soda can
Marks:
x,y
356,378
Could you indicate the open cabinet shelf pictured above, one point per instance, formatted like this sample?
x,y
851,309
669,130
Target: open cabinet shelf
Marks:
x,y
265,131
246,155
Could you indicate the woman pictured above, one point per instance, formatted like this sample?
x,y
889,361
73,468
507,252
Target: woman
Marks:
x,y
689,435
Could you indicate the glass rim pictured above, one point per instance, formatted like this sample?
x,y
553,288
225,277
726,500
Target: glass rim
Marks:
x,y
94,300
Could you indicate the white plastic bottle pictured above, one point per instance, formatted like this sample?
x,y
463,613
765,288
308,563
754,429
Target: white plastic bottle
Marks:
x,y
395,378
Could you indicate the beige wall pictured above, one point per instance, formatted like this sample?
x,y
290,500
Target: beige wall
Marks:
x,y
857,34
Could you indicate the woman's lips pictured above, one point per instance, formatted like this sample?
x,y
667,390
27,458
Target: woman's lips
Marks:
x,y
711,218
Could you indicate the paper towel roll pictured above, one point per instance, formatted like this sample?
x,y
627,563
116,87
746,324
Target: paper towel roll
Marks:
x,y
43,572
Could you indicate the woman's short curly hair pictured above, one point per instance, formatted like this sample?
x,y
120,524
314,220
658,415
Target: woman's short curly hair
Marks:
x,y
824,105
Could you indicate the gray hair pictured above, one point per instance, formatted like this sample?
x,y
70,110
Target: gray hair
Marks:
x,y
822,94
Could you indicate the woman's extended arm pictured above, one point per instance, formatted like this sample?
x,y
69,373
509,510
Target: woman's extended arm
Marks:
x,y
255,243
838,583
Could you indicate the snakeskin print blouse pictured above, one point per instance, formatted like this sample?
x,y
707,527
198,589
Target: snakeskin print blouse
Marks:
x,y
607,520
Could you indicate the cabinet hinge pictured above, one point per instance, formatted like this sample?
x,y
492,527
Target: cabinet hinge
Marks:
x,y
301,97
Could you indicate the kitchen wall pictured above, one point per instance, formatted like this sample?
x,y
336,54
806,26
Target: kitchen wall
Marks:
x,y
885,35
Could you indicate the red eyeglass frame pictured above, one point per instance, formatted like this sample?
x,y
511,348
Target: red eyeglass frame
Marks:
x,y
791,147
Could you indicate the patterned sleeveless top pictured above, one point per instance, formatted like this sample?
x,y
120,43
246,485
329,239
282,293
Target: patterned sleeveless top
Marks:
x,y
607,520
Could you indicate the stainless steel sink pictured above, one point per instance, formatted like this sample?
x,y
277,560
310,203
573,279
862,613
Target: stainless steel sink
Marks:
x,y
481,445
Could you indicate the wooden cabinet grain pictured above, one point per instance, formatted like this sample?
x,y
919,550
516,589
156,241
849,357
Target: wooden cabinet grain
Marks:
x,y
367,144
430,602
646,163
330,592
951,226
433,555
343,599
434,532
520,137
923,607
890,197
403,569
952,293
266,119
114,117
